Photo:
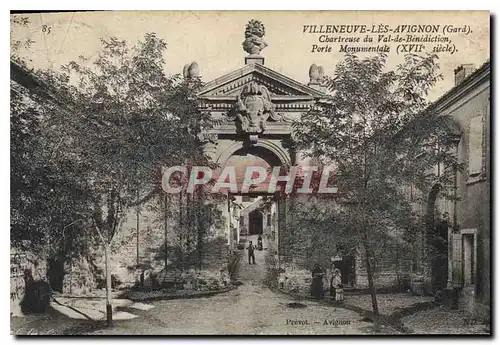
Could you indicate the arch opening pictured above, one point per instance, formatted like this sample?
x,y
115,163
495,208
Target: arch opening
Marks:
x,y
246,157
437,229
255,226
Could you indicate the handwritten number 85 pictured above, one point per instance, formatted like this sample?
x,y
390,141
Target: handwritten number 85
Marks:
x,y
46,29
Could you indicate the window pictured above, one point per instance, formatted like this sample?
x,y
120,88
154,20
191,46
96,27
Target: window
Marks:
x,y
464,258
268,219
476,140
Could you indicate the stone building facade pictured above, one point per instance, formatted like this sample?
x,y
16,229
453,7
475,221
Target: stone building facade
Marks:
x,y
467,228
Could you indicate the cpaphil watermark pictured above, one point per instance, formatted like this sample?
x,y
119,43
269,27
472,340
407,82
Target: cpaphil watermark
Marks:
x,y
299,179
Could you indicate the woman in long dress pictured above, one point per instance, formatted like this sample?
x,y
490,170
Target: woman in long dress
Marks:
x,y
332,283
317,282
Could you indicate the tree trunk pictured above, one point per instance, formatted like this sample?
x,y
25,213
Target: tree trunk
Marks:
x,y
181,231
166,230
109,310
371,285
137,244
199,240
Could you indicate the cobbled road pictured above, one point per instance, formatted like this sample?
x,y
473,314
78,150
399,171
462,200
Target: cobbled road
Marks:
x,y
251,309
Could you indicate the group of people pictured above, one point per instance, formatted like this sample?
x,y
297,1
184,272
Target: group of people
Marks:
x,y
336,287
317,290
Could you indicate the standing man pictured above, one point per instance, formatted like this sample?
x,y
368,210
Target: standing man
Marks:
x,y
251,254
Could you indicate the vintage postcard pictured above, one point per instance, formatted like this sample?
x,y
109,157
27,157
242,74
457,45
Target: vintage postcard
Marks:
x,y
250,173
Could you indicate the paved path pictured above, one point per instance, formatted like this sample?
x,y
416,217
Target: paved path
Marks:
x,y
252,308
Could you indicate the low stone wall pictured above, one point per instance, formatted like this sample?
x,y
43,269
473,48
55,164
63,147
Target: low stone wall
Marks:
x,y
215,254
292,278
83,277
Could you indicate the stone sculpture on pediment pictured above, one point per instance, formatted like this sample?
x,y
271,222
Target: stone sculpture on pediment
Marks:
x,y
254,107
254,33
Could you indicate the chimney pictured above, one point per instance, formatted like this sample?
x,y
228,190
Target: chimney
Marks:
x,y
462,72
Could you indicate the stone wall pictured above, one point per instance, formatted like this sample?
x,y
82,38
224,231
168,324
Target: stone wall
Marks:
x,y
301,246
469,106
295,276
185,253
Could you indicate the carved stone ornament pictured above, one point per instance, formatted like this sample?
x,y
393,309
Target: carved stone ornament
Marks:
x,y
254,43
191,70
316,74
253,108
253,138
207,137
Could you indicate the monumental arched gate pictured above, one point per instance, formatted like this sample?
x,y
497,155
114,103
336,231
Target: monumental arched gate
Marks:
x,y
255,107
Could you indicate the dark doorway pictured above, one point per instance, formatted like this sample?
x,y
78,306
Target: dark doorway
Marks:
x,y
255,223
440,257
55,274
347,269
436,242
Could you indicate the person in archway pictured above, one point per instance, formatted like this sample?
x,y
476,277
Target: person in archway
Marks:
x,y
259,242
251,255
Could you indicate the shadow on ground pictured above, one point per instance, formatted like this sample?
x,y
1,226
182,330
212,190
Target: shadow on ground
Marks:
x,y
52,323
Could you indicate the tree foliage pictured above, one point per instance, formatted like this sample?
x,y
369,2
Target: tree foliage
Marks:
x,y
127,120
16,45
89,143
376,132
48,195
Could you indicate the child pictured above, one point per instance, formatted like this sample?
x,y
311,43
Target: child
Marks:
x,y
336,285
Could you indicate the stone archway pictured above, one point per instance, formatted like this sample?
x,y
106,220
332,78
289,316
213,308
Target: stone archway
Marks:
x,y
436,242
273,147
254,109
256,223
245,157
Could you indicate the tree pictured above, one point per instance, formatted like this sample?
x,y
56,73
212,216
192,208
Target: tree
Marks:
x,y
126,119
17,45
48,205
374,132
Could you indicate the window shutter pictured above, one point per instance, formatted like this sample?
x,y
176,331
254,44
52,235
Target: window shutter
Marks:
x,y
476,136
457,266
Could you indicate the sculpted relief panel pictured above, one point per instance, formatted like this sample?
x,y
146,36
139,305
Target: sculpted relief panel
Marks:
x,y
254,108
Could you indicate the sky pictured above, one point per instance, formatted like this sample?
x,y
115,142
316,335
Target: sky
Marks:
x,y
214,38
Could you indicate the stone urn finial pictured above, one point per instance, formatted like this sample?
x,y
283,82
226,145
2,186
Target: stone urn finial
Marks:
x,y
321,74
254,43
313,74
191,70
316,75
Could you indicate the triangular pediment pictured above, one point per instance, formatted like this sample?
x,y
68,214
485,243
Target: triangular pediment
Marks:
x,y
232,83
